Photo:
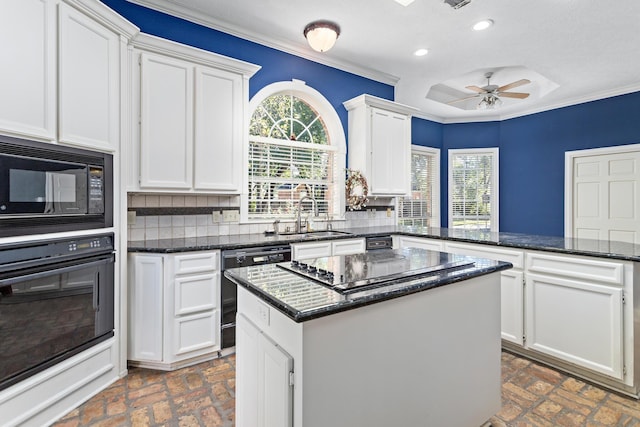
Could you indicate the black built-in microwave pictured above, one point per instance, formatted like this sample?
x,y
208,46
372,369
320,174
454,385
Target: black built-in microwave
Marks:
x,y
47,188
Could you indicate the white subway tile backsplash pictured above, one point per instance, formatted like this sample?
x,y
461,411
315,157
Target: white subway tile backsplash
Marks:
x,y
152,201
138,201
166,201
151,233
177,201
177,220
190,221
178,233
189,232
151,221
165,233
190,201
137,234
164,221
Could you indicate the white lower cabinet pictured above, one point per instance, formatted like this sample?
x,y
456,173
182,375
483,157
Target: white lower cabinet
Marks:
x,y
327,248
575,311
418,242
174,317
264,374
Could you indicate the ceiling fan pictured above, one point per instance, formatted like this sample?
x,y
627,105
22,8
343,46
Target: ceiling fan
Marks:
x,y
491,94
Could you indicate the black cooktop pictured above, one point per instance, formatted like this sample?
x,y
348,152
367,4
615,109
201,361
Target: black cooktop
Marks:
x,y
351,273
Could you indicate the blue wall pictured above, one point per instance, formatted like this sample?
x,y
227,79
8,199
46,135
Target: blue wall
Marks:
x,y
531,147
336,85
532,150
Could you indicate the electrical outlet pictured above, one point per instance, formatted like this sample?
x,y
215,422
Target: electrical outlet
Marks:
x,y
216,216
263,313
388,212
231,216
131,217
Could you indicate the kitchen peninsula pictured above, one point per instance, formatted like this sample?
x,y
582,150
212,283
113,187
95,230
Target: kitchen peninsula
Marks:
x,y
390,337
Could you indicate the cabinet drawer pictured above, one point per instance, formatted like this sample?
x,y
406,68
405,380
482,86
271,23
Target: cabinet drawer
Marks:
x,y
195,293
196,262
591,269
310,250
514,257
346,247
417,242
196,333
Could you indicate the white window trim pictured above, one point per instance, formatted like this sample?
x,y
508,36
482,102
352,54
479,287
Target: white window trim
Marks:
x,y
495,208
331,120
435,152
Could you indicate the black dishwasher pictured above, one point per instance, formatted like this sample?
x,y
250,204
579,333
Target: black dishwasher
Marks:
x,y
244,257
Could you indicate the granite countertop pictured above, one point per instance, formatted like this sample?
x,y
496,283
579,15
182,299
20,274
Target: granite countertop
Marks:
x,y
588,247
302,299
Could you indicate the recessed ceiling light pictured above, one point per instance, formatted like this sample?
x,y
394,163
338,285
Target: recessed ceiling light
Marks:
x,y
421,52
483,25
405,2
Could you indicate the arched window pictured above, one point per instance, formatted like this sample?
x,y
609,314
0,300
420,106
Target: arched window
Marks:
x,y
296,148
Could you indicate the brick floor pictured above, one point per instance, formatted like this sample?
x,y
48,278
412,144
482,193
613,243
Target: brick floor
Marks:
x,y
203,395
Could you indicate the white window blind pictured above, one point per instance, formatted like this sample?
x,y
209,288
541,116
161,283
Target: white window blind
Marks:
x,y
473,189
422,207
282,171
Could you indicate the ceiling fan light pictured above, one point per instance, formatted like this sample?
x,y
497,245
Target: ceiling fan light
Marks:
x,y
405,2
421,52
321,35
489,102
483,25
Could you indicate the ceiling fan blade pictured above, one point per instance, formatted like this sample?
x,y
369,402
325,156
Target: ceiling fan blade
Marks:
x,y
476,89
518,95
514,84
462,99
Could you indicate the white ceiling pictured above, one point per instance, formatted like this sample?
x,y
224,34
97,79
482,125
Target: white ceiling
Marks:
x,y
589,48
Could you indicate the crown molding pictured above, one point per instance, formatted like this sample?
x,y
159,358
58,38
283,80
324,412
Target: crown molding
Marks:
x,y
272,42
105,16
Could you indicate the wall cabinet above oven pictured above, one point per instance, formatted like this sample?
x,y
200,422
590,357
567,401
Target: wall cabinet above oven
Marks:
x,y
192,108
380,144
61,71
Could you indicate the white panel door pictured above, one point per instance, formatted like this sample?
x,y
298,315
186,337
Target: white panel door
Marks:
x,y
145,310
275,393
89,66
390,150
166,131
218,130
576,321
28,68
606,197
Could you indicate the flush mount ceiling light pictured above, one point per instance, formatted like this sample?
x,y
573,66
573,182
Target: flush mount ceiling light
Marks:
x,y
482,25
421,52
405,2
322,35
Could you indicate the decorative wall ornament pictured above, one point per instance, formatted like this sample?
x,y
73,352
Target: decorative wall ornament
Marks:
x,y
356,190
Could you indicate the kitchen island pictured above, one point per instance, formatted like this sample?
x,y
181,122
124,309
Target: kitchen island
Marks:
x,y
414,351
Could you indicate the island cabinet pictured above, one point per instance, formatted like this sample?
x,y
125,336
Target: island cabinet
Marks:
x,y
192,108
62,71
174,309
330,371
575,311
327,248
380,144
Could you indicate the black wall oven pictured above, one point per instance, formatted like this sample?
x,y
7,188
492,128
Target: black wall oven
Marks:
x,y
56,300
47,188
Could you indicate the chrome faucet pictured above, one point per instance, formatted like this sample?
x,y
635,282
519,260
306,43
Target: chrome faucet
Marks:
x,y
315,211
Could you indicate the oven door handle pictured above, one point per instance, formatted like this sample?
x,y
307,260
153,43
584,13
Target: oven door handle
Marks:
x,y
40,274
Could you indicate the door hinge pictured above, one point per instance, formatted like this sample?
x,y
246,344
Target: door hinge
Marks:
x,y
624,298
292,379
524,339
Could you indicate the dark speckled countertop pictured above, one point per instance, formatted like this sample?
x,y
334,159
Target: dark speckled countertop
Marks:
x,y
588,247
302,299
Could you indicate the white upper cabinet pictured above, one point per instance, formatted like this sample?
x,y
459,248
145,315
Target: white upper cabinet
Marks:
x,y
28,68
166,130
380,144
89,66
193,127
61,71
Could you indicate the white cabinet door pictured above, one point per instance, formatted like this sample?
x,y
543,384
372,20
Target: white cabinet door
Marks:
x,y
218,130
28,64
576,321
512,306
310,250
347,247
166,134
145,307
390,153
89,67
194,335
246,372
275,389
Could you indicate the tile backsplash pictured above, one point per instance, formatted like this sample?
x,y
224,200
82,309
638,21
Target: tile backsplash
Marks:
x,y
170,216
